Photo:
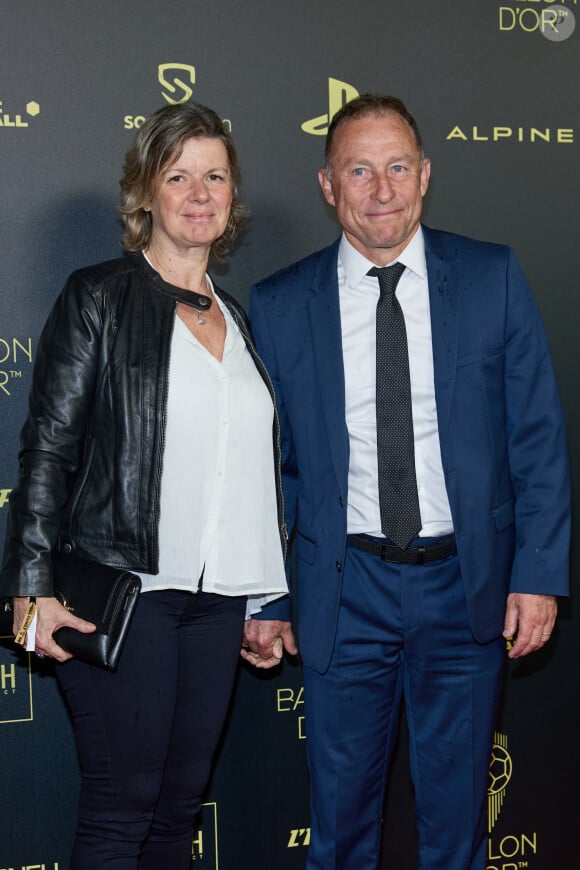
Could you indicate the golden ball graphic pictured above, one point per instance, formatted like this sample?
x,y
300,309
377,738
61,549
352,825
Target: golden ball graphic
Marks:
x,y
500,770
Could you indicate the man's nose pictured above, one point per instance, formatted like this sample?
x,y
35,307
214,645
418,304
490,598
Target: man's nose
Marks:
x,y
384,188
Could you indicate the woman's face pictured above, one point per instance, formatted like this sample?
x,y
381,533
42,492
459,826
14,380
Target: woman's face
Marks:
x,y
193,198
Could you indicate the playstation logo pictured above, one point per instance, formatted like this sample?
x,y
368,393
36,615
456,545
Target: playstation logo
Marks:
x,y
339,93
179,89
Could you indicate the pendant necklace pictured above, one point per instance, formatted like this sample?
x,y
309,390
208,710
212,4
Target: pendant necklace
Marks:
x,y
200,318
200,301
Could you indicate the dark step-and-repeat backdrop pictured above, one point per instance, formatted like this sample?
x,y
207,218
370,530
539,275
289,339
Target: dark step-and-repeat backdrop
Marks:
x,y
495,87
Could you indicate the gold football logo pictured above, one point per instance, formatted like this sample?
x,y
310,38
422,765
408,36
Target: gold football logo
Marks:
x,y
500,772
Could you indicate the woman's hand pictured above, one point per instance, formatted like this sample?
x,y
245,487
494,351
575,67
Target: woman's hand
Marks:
x,y
51,616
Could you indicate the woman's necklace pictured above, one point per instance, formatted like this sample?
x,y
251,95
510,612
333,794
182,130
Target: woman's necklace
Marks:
x,y
200,300
200,318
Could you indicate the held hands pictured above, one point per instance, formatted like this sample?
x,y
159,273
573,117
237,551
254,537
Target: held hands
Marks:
x,y
531,618
51,616
265,641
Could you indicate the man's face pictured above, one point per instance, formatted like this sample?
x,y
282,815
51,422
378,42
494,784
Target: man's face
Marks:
x,y
377,183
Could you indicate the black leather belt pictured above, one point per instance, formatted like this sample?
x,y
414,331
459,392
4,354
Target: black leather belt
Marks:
x,y
412,556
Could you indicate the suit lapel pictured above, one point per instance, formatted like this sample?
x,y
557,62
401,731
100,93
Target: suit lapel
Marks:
x,y
443,269
325,327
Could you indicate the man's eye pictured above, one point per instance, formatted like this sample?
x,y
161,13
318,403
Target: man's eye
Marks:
x,y
358,171
398,168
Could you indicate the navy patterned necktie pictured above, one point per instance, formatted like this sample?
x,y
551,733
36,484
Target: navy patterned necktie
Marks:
x,y
398,497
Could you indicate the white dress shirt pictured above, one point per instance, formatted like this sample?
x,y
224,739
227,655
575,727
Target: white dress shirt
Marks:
x,y
358,296
218,494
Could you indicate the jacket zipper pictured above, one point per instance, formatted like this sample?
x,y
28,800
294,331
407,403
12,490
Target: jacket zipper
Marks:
x,y
159,470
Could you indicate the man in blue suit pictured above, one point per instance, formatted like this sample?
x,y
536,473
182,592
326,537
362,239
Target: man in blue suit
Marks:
x,y
410,569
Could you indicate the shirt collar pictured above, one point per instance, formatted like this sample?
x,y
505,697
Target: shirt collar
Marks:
x,y
356,266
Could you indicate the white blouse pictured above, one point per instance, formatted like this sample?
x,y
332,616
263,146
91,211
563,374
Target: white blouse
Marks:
x,y
218,494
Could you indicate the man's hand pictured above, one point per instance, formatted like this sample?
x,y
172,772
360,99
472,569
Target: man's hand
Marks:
x,y
51,615
531,618
265,641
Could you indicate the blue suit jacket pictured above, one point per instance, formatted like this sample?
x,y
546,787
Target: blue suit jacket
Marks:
x,y
500,426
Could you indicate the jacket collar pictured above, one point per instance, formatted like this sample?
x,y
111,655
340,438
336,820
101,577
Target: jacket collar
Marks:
x,y
199,301
444,269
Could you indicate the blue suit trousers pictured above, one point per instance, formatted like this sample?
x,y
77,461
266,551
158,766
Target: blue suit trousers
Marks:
x,y
403,631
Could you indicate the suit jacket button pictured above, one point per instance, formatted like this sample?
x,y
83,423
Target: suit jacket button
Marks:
x,y
339,567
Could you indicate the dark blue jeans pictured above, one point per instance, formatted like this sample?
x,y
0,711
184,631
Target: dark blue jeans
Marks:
x,y
146,734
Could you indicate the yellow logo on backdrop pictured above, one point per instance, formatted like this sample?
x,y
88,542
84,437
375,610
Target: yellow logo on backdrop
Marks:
x,y
289,701
15,687
44,866
204,846
12,354
176,78
500,773
511,852
551,19
7,119
8,679
4,497
533,135
168,73
299,837
339,93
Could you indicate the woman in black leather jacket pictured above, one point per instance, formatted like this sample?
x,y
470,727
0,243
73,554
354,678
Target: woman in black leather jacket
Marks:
x,y
149,446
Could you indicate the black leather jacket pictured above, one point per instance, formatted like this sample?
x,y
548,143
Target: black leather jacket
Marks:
x,y
92,445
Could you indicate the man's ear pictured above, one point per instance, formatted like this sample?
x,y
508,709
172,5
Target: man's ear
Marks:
x,y
425,175
326,186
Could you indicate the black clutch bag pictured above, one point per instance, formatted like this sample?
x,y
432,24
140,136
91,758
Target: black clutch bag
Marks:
x,y
102,595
